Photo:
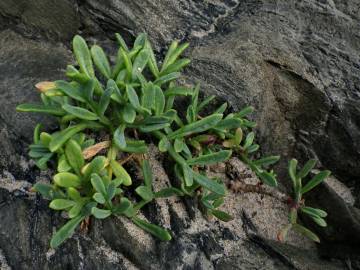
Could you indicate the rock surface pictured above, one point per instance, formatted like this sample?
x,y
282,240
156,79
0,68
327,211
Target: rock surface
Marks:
x,y
297,62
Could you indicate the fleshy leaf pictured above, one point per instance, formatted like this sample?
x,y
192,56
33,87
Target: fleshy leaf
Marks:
x,y
223,216
74,155
66,179
316,180
100,213
83,56
155,230
120,172
196,127
65,232
144,192
100,60
60,204
212,158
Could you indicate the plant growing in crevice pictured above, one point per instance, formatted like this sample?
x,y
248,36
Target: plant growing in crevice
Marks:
x,y
297,202
131,101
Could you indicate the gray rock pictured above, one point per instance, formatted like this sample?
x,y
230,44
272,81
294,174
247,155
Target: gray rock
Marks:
x,y
297,62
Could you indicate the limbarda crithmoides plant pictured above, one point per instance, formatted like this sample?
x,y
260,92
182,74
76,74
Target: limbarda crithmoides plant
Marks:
x,y
131,99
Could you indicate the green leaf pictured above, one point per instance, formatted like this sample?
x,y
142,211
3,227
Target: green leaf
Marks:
x,y
238,136
83,56
122,42
74,155
149,120
144,192
221,109
98,184
60,138
111,190
36,136
135,146
76,209
155,230
168,192
170,51
209,184
128,113
223,216
88,90
252,148
177,66
307,168
65,232
178,145
139,63
41,163
87,143
268,178
80,112
179,91
229,123
106,96
306,232
249,124
153,127
61,204
315,212
244,112
152,60
73,194
66,179
120,172
119,137
122,207
249,139
127,62
100,60
267,161
167,78
218,202
133,97
148,97
164,144
45,190
26,107
159,100
292,174
174,55
140,40
212,158
95,166
100,213
79,138
38,153
204,103
196,127
319,221
316,180
73,74
45,138
188,175
147,173
98,197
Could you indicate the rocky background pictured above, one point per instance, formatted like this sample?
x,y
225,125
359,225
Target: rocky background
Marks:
x,y
295,61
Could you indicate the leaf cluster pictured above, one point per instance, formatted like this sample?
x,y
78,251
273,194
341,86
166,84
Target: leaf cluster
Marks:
x,y
132,100
297,202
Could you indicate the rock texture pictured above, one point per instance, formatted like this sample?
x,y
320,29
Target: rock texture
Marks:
x,y
297,62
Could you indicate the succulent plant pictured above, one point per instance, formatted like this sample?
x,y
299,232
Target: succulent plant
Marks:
x,y
132,100
297,202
